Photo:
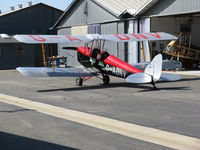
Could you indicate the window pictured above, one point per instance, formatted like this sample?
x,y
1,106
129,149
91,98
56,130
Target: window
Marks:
x,y
19,49
94,29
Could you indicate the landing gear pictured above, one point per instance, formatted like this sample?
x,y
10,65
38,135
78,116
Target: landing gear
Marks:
x,y
154,84
106,79
79,81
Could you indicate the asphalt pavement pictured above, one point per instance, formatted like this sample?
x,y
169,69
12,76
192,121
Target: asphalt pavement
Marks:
x,y
174,107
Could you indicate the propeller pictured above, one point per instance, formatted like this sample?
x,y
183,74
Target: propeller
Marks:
x,y
70,48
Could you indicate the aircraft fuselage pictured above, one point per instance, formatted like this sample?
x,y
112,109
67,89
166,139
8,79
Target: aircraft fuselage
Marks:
x,y
104,62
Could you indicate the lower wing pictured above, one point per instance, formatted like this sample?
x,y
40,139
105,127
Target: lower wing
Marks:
x,y
54,72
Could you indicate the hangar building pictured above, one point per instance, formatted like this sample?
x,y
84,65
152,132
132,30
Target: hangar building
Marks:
x,y
33,19
102,17
116,16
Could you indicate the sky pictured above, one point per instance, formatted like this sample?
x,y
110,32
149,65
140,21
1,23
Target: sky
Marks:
x,y
6,4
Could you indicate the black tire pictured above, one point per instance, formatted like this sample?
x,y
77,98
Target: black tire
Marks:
x,y
79,81
106,79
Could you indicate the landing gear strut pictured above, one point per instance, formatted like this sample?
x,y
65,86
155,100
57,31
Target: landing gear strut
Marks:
x,y
153,83
106,79
79,81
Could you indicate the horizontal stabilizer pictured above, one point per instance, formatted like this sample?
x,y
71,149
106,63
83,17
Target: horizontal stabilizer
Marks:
x,y
144,78
170,77
54,72
170,65
166,65
139,78
151,73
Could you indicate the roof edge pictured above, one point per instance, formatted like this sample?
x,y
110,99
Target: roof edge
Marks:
x,y
107,9
146,7
27,7
66,10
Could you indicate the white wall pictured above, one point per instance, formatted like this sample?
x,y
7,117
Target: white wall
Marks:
x,y
145,25
132,46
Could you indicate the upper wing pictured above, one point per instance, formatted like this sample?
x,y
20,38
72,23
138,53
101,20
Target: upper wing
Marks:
x,y
138,37
54,72
37,39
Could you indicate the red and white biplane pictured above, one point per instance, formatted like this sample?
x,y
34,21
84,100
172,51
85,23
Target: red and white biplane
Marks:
x,y
98,62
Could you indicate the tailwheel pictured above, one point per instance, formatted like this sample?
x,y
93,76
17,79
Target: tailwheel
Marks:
x,y
106,79
154,84
79,81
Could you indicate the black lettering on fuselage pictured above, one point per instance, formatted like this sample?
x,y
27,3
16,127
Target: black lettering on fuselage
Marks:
x,y
115,71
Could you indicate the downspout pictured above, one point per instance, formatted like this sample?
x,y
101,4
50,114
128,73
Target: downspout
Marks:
x,y
138,31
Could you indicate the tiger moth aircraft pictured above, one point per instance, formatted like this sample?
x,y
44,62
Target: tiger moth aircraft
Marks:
x,y
99,63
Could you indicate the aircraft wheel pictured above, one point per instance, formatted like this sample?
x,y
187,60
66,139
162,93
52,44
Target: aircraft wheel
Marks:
x,y
79,81
106,79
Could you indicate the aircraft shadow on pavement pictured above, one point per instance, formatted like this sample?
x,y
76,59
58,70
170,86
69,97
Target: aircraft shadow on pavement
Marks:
x,y
188,79
166,88
94,87
182,80
147,87
14,142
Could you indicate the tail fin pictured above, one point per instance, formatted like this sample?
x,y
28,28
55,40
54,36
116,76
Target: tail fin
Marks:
x,y
154,69
151,73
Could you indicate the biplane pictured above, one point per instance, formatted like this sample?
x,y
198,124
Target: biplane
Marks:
x,y
98,62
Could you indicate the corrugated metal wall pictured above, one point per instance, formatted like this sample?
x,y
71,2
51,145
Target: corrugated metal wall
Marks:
x,y
110,28
11,58
87,12
169,7
71,55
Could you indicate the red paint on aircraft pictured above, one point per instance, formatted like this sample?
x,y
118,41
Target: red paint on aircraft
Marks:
x,y
155,35
85,51
71,38
122,36
37,38
139,36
